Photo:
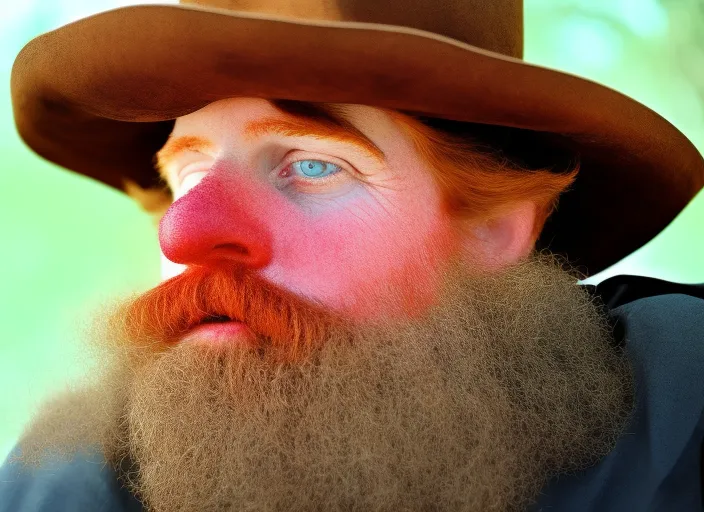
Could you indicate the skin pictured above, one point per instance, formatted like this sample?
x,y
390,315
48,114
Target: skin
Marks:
x,y
331,239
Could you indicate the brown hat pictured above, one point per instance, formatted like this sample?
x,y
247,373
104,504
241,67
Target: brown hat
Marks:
x,y
99,96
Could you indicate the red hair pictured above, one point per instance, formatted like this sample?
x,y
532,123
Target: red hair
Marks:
x,y
477,180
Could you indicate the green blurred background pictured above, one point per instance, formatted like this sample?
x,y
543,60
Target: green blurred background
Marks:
x,y
69,243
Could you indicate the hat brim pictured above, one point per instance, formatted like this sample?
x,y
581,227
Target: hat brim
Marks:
x,y
99,96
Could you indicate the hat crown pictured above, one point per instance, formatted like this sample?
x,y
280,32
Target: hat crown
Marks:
x,y
495,25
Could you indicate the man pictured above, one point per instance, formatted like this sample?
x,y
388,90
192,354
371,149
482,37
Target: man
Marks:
x,y
369,300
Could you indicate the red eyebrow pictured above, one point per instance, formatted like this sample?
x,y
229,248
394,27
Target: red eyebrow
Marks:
x,y
302,127
176,145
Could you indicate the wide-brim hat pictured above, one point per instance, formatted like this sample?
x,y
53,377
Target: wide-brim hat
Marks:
x,y
99,96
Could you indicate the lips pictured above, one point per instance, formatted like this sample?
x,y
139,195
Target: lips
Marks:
x,y
215,328
212,319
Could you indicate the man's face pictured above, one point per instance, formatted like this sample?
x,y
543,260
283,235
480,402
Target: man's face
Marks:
x,y
357,226
481,386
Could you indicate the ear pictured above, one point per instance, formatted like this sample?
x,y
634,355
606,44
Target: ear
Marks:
x,y
503,239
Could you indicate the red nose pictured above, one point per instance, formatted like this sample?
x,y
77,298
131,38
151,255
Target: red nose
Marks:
x,y
220,218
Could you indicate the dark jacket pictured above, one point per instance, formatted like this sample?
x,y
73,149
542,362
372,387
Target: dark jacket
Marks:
x,y
655,467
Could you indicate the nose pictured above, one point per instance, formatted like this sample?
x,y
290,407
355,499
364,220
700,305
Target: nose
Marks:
x,y
221,218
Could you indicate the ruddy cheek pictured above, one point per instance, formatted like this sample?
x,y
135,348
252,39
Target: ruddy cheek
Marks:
x,y
407,261
369,269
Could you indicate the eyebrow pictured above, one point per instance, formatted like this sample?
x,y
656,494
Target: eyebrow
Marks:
x,y
301,127
175,146
295,127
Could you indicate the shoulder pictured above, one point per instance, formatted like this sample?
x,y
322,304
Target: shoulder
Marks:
x,y
656,464
661,324
623,290
645,307
85,483
662,329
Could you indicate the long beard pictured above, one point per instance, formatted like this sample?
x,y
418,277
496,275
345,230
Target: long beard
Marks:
x,y
510,379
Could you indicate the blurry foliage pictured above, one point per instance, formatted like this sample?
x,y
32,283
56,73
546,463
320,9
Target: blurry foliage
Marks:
x,y
687,40
648,49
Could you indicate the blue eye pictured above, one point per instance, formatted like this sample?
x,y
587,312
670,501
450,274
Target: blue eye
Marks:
x,y
315,168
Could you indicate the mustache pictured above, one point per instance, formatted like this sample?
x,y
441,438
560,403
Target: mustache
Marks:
x,y
282,322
